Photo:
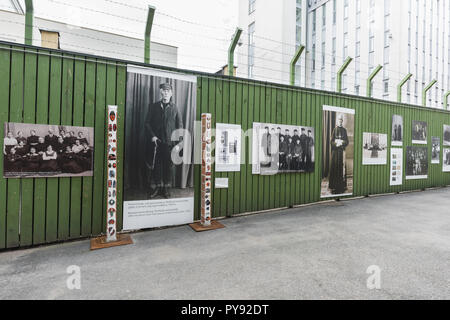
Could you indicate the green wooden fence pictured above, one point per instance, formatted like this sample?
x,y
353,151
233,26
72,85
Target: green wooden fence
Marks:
x,y
54,87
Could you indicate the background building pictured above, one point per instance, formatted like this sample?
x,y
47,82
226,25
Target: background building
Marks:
x,y
403,36
53,34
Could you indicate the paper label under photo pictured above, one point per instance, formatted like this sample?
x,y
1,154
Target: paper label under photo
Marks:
x,y
221,183
396,167
155,213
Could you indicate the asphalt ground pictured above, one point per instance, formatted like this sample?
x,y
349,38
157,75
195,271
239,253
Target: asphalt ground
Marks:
x,y
322,251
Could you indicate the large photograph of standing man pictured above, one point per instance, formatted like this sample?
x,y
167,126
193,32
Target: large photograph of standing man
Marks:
x,y
338,152
160,114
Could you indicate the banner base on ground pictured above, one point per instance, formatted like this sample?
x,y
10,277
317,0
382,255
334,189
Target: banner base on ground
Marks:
x,y
101,243
198,227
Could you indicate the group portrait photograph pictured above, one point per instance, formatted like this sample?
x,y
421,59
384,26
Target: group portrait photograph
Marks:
x,y
36,150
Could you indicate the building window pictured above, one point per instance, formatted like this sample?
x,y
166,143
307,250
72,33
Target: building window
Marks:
x,y
314,22
324,15
251,50
251,6
334,11
50,39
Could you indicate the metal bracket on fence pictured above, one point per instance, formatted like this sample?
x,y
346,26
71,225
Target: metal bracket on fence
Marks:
x,y
400,86
294,61
425,90
446,100
231,49
340,72
370,79
148,32
29,15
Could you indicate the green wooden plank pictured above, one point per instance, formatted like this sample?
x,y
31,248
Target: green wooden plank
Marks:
x,y
99,148
89,114
42,104
244,170
231,175
244,147
54,118
282,118
5,65
66,119
219,211
15,115
247,118
259,117
29,116
225,119
120,101
254,111
266,179
77,120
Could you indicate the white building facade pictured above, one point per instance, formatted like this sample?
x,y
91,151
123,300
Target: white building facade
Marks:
x,y
402,36
81,39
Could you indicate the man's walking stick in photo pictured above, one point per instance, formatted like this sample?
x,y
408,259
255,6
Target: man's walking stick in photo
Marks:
x,y
154,156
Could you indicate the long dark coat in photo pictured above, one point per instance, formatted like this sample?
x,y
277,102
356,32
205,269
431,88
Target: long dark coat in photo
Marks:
x,y
337,181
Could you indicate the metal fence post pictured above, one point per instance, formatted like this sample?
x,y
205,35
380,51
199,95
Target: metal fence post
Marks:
x,y
148,31
233,44
294,61
29,22
446,100
340,72
369,80
424,92
400,86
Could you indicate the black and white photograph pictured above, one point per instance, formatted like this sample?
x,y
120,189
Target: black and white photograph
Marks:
x,y
446,160
416,163
419,132
228,147
338,151
374,148
397,130
446,140
40,150
283,148
435,150
159,144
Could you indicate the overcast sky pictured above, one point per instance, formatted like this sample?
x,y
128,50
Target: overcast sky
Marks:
x,y
200,47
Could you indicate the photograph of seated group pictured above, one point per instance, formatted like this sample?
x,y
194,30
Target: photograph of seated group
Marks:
x,y
36,150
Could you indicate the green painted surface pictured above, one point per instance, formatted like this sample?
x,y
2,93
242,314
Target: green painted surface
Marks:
x,y
60,88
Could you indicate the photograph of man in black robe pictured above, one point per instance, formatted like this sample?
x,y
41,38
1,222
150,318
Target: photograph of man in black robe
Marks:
x,y
337,160
339,141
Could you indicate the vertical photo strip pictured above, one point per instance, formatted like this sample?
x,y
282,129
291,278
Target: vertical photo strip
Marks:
x,y
435,150
446,160
397,131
